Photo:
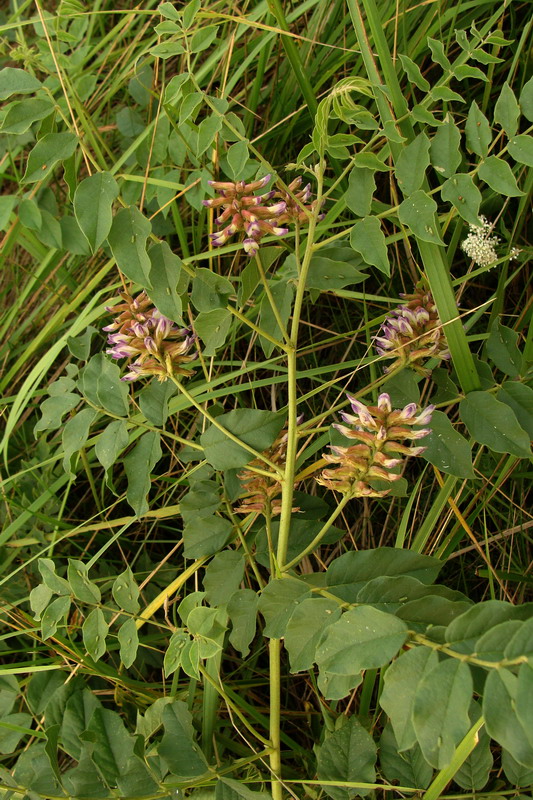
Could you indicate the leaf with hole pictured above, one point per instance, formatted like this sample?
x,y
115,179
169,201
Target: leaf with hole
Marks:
x,y
53,409
75,435
205,536
440,710
461,191
445,148
21,115
519,147
519,397
408,768
209,290
17,81
111,442
348,573
361,188
178,747
138,465
242,611
333,268
213,327
413,73
500,709
502,349
94,631
412,163
128,640
306,629
54,616
363,638
126,592
418,212
254,427
78,578
477,131
446,449
223,576
277,602
507,110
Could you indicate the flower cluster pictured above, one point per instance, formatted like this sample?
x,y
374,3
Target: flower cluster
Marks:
x,y
380,433
140,331
412,333
259,491
247,212
295,202
479,244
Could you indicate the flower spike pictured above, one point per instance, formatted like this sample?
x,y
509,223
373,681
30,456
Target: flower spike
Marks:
x,y
140,330
412,333
380,433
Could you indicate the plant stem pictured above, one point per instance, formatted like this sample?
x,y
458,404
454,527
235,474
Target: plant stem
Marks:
x,y
272,302
320,535
288,488
254,327
292,405
220,427
274,650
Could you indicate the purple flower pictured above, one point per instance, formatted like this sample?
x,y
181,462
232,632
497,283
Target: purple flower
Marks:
x,y
380,433
140,330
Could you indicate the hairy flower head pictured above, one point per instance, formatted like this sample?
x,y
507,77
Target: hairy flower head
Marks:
x,y
412,333
297,205
156,343
241,210
380,434
258,491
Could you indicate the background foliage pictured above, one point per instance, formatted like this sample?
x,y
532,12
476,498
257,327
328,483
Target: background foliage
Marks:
x,y
141,613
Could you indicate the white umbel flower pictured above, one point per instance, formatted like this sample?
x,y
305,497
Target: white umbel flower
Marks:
x,y
479,244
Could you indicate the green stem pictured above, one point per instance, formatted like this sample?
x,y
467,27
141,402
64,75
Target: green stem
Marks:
x,y
256,328
274,649
271,300
288,491
292,404
320,535
192,400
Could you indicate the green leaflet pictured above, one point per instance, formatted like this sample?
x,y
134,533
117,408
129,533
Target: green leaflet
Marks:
x,y
138,465
348,754
256,428
447,449
440,710
127,239
49,151
494,423
363,638
93,203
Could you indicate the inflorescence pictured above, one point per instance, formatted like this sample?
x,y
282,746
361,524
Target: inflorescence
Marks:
x,y
249,213
479,244
259,492
412,333
140,331
380,433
